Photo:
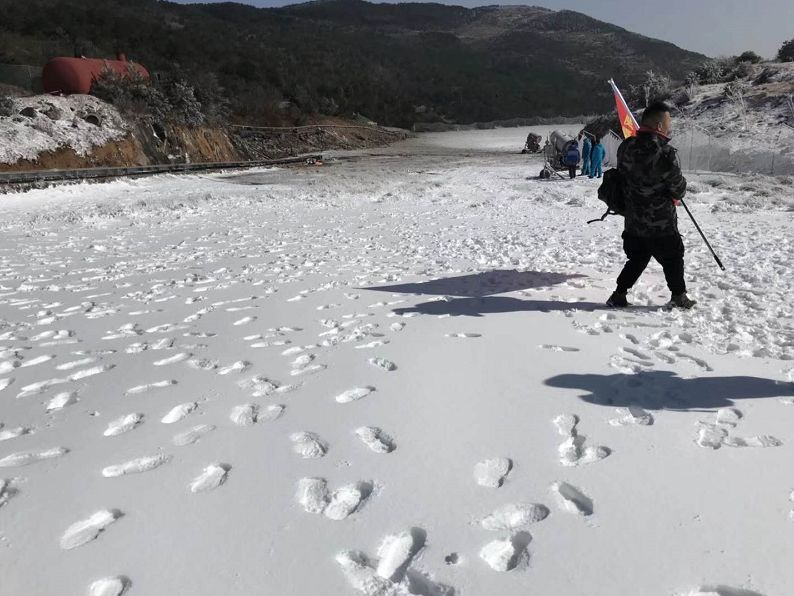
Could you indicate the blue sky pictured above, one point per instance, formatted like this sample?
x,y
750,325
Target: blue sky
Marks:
x,y
712,27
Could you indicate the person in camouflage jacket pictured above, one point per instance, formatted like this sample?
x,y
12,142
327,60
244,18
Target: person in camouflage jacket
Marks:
x,y
652,184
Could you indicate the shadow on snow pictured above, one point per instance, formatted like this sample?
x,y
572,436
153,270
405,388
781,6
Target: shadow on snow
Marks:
x,y
664,390
478,285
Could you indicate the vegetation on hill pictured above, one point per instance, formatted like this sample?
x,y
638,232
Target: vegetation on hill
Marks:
x,y
395,63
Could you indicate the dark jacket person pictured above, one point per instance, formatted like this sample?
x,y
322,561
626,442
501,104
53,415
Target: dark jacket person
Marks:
x,y
652,183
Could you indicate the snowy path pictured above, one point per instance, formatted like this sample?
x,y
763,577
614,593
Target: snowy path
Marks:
x,y
390,375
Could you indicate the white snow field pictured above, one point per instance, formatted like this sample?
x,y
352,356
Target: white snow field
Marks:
x,y
389,375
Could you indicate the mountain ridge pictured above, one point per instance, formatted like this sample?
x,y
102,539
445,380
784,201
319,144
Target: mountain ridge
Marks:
x,y
396,63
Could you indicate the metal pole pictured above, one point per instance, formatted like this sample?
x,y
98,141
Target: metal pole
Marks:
x,y
716,258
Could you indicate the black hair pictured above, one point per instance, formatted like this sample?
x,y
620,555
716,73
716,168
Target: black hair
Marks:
x,y
654,113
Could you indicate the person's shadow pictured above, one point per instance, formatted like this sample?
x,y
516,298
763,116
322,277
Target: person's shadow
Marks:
x,y
664,390
478,285
475,293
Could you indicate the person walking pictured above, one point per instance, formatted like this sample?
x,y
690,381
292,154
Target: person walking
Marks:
x,y
596,158
571,158
652,184
587,145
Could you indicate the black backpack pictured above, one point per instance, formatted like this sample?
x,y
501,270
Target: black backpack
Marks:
x,y
611,192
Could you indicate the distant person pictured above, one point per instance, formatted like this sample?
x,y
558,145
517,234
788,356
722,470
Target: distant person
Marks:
x,y
652,184
587,145
571,157
596,158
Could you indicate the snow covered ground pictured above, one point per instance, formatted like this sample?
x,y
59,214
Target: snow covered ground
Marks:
x,y
391,375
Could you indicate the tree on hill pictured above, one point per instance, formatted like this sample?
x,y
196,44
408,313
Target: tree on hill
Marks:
x,y
786,51
749,56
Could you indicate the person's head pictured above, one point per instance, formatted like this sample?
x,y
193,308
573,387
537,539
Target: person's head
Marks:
x,y
657,117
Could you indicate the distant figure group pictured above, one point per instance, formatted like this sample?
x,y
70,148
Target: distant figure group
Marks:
x,y
593,153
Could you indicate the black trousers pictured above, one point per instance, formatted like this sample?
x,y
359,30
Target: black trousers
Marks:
x,y
668,252
572,171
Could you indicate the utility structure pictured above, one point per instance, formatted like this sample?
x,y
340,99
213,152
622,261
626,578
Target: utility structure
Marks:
x,y
69,76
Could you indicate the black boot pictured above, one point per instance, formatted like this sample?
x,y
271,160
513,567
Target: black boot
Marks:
x,y
618,300
681,301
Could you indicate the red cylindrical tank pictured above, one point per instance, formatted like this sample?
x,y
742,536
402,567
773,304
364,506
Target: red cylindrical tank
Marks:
x,y
75,75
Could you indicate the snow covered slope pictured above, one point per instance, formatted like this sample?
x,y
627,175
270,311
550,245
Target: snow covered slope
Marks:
x,y
749,132
390,375
57,122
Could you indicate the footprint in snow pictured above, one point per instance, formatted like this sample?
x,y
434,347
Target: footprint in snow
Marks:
x,y
36,361
177,413
39,387
268,344
514,516
354,394
84,531
245,414
13,433
507,554
375,439
90,372
8,366
25,458
211,478
173,359
312,494
464,335
244,321
719,591
192,435
202,364
136,466
344,501
492,472
110,586
571,499
271,413
308,445
554,348
150,386
632,415
383,364
7,490
237,367
636,353
573,450
391,572
713,435
373,344
123,424
61,400
307,370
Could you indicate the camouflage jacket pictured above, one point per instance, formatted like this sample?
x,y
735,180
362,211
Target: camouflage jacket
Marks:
x,y
651,179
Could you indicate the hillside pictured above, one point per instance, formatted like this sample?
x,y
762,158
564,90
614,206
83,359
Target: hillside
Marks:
x,y
742,125
397,64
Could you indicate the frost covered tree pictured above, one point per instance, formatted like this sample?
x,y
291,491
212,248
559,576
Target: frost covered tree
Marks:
x,y
736,92
185,108
6,105
655,87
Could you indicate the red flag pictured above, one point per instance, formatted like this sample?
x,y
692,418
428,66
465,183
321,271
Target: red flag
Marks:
x,y
627,121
